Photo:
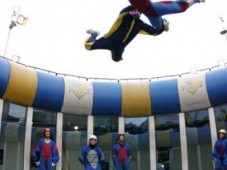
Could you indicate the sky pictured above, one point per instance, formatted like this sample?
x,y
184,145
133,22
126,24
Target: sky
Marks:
x,y
54,35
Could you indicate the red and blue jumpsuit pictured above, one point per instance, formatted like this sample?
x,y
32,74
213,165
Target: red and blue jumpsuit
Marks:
x,y
121,156
46,153
219,154
155,10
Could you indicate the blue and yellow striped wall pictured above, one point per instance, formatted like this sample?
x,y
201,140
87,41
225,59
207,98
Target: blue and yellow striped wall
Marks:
x,y
29,87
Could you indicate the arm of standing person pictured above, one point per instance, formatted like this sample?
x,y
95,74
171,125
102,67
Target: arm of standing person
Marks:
x,y
101,156
129,152
36,154
114,154
55,154
214,153
81,155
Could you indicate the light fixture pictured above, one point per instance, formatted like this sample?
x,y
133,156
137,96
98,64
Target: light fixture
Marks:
x,y
16,19
223,32
76,127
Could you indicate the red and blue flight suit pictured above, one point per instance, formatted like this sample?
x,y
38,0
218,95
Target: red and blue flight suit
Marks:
x,y
121,154
46,154
155,10
219,153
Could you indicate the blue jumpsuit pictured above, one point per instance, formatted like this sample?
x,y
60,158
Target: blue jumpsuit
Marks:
x,y
46,153
155,10
92,157
121,156
219,154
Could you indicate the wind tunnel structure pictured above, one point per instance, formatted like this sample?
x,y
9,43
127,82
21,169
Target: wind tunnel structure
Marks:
x,y
30,87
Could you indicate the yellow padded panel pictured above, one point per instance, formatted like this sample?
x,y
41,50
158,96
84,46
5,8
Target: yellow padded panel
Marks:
x,y
136,99
22,85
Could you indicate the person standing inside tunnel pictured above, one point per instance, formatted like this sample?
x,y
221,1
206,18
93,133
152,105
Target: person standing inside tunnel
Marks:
x,y
91,156
46,154
121,154
219,153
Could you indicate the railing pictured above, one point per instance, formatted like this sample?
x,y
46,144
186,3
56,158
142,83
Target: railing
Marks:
x,y
121,79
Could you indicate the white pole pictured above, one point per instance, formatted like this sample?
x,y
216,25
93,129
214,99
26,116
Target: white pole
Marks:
x,y
183,141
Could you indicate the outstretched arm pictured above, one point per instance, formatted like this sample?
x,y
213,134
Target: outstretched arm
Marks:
x,y
149,30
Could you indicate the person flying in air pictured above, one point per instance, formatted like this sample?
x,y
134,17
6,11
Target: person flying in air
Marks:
x,y
123,31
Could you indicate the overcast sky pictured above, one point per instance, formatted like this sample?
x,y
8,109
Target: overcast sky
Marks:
x,y
54,36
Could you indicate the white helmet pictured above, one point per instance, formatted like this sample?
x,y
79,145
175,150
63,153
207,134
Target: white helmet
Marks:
x,y
93,137
222,131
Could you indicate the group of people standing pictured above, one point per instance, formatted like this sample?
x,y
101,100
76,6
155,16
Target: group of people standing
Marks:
x,y
92,157
45,154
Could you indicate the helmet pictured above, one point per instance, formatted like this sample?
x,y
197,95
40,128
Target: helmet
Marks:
x,y
45,130
222,131
93,137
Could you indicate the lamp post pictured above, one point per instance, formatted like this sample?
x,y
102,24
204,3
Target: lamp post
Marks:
x,y
16,18
224,31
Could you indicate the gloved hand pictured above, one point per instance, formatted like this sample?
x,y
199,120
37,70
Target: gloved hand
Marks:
x,y
53,164
165,24
135,14
37,163
214,160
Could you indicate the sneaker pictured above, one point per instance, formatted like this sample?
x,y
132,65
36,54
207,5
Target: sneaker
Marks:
x,y
93,32
165,25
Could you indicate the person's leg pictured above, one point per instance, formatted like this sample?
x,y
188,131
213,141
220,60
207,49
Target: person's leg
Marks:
x,y
218,165
168,7
156,22
172,7
160,8
225,164
91,39
155,10
127,167
93,36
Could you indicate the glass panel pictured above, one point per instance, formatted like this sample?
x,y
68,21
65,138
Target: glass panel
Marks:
x,y
198,140
106,129
137,136
42,119
74,137
12,136
221,117
168,142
